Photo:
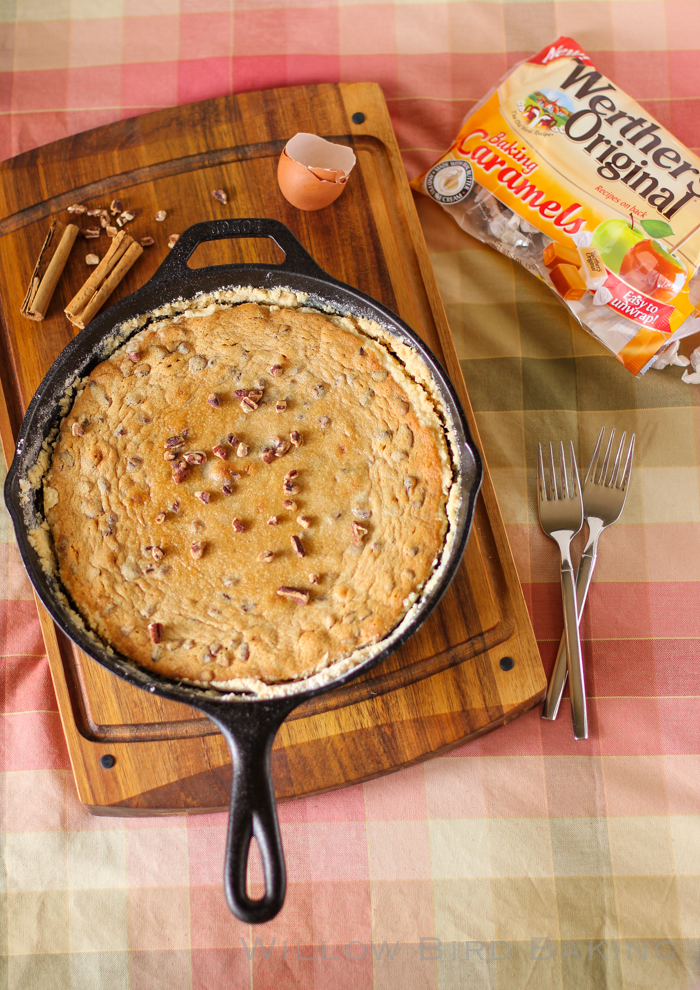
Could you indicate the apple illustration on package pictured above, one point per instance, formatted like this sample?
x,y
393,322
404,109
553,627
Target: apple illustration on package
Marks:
x,y
641,260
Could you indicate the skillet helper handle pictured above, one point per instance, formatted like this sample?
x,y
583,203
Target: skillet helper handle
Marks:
x,y
297,259
253,810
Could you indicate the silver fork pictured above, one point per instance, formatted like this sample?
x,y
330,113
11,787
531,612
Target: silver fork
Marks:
x,y
603,501
561,518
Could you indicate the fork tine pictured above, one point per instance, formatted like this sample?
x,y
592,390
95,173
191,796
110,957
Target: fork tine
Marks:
x,y
574,472
552,475
541,483
612,483
628,465
564,476
590,473
604,469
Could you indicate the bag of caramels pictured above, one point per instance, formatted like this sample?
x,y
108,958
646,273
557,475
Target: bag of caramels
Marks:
x,y
562,171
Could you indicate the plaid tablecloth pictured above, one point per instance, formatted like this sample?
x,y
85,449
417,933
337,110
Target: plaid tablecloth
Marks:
x,y
519,860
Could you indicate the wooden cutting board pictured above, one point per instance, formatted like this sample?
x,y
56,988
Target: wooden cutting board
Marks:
x,y
474,665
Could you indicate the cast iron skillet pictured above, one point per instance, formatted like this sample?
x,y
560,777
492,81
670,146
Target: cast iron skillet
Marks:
x,y
248,724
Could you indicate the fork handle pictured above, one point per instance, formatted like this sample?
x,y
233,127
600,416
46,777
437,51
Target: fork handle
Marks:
x,y
555,690
577,685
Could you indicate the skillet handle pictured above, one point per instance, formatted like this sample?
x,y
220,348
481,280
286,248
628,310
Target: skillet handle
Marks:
x,y
249,730
297,259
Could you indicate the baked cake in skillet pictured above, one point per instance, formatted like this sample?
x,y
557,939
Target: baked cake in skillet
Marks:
x,y
247,494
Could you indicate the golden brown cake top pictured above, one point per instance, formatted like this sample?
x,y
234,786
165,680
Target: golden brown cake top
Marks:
x,y
249,495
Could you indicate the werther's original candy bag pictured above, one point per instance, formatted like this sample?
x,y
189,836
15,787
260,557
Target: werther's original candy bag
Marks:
x,y
562,171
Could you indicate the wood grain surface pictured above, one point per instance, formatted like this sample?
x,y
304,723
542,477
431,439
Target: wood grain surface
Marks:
x,y
446,684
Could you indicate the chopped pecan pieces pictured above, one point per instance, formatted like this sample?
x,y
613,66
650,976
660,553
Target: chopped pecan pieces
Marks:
x,y
161,215
125,217
290,489
111,231
173,239
195,457
157,553
276,370
282,448
76,208
358,534
268,455
203,497
172,443
115,207
290,475
226,490
296,438
281,405
77,430
304,521
242,450
241,393
92,259
160,518
133,463
170,455
265,556
294,594
155,631
197,550
313,578
133,356
220,196
244,651
95,213
180,474
232,439
289,504
146,241
273,521
213,400
220,451
90,233
297,546
248,405
238,526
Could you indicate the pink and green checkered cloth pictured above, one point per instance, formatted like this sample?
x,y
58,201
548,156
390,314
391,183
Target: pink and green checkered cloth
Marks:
x,y
519,860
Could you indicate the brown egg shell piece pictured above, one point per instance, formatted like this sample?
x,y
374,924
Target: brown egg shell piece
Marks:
x,y
313,172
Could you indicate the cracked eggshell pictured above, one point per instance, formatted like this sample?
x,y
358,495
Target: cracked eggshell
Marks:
x,y
312,172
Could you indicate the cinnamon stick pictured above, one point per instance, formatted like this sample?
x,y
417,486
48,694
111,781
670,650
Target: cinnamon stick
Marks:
x,y
122,253
48,269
